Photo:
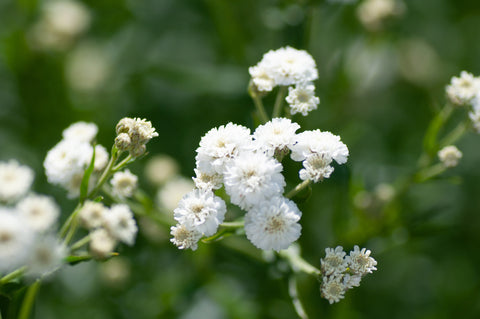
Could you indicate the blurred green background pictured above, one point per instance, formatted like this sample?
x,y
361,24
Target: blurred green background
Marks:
x,y
184,66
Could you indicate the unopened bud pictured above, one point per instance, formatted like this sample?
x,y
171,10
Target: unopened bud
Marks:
x,y
138,150
125,125
123,142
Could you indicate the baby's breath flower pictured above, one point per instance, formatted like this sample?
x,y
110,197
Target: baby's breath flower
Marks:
x,y
334,261
302,98
207,181
124,183
449,156
46,256
275,136
16,240
15,180
262,77
185,238
360,262
101,243
316,167
273,224
120,224
40,212
332,288
463,89
317,142
80,132
91,214
172,192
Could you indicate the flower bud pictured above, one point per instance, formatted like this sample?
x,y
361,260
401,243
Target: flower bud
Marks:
x,y
123,142
125,125
138,150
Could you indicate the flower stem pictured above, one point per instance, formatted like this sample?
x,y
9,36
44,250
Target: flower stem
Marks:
x,y
12,276
233,225
106,173
298,263
429,172
257,100
122,164
298,188
277,108
29,300
68,222
293,292
81,242
454,135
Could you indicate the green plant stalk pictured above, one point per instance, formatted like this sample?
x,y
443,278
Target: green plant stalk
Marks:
x,y
106,173
257,100
293,292
298,188
81,242
429,172
17,273
127,160
454,135
29,300
68,222
277,108
299,264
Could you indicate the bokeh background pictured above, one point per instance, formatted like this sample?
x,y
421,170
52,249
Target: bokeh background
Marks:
x,y
184,66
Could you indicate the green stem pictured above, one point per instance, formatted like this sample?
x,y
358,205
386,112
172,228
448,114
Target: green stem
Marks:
x,y
293,292
122,164
429,172
81,242
106,173
68,222
12,276
257,100
454,135
298,188
277,108
233,225
298,263
29,300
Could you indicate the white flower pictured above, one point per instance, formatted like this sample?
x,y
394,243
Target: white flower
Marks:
x,y
334,261
66,17
201,210
124,183
81,132
475,118
140,130
161,168
273,224
40,212
46,256
317,142
262,77
351,281
463,89
15,180
101,243
277,135
169,195
91,214
372,13
220,145
101,158
185,238
302,99
207,181
332,288
252,178
120,224
316,167
449,156
360,262
16,240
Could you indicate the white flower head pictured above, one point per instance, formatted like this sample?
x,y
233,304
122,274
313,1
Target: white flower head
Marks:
x,y
120,224
185,238
139,130
101,158
360,262
475,118
334,261
252,178
351,281
463,89
220,145
276,135
207,181
39,212
66,17
172,192
273,224
302,98
91,214
15,180
102,243
16,240
80,132
332,288
46,256
161,168
124,183
449,156
372,13
201,210
316,167
317,142
262,77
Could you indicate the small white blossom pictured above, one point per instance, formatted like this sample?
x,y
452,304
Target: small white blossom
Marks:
x,y
67,17
463,89
316,167
172,192
207,181
360,262
124,183
302,99
332,288
449,156
161,168
80,132
91,215
139,130
351,281
273,224
40,212
120,224
220,145
262,77
185,238
101,243
334,261
201,210
16,240
317,142
475,118
46,256
101,158
277,135
252,178
15,180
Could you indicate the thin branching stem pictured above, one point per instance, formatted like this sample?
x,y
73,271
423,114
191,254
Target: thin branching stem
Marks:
x,y
29,300
277,108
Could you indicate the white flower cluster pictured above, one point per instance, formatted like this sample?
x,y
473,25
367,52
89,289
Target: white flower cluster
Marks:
x,y
465,90
66,162
449,156
287,67
27,225
246,166
341,272
124,183
107,226
133,134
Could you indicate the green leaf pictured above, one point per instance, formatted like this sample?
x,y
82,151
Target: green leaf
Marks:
x,y
86,178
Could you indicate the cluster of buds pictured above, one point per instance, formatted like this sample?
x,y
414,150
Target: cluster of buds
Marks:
x,y
133,134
